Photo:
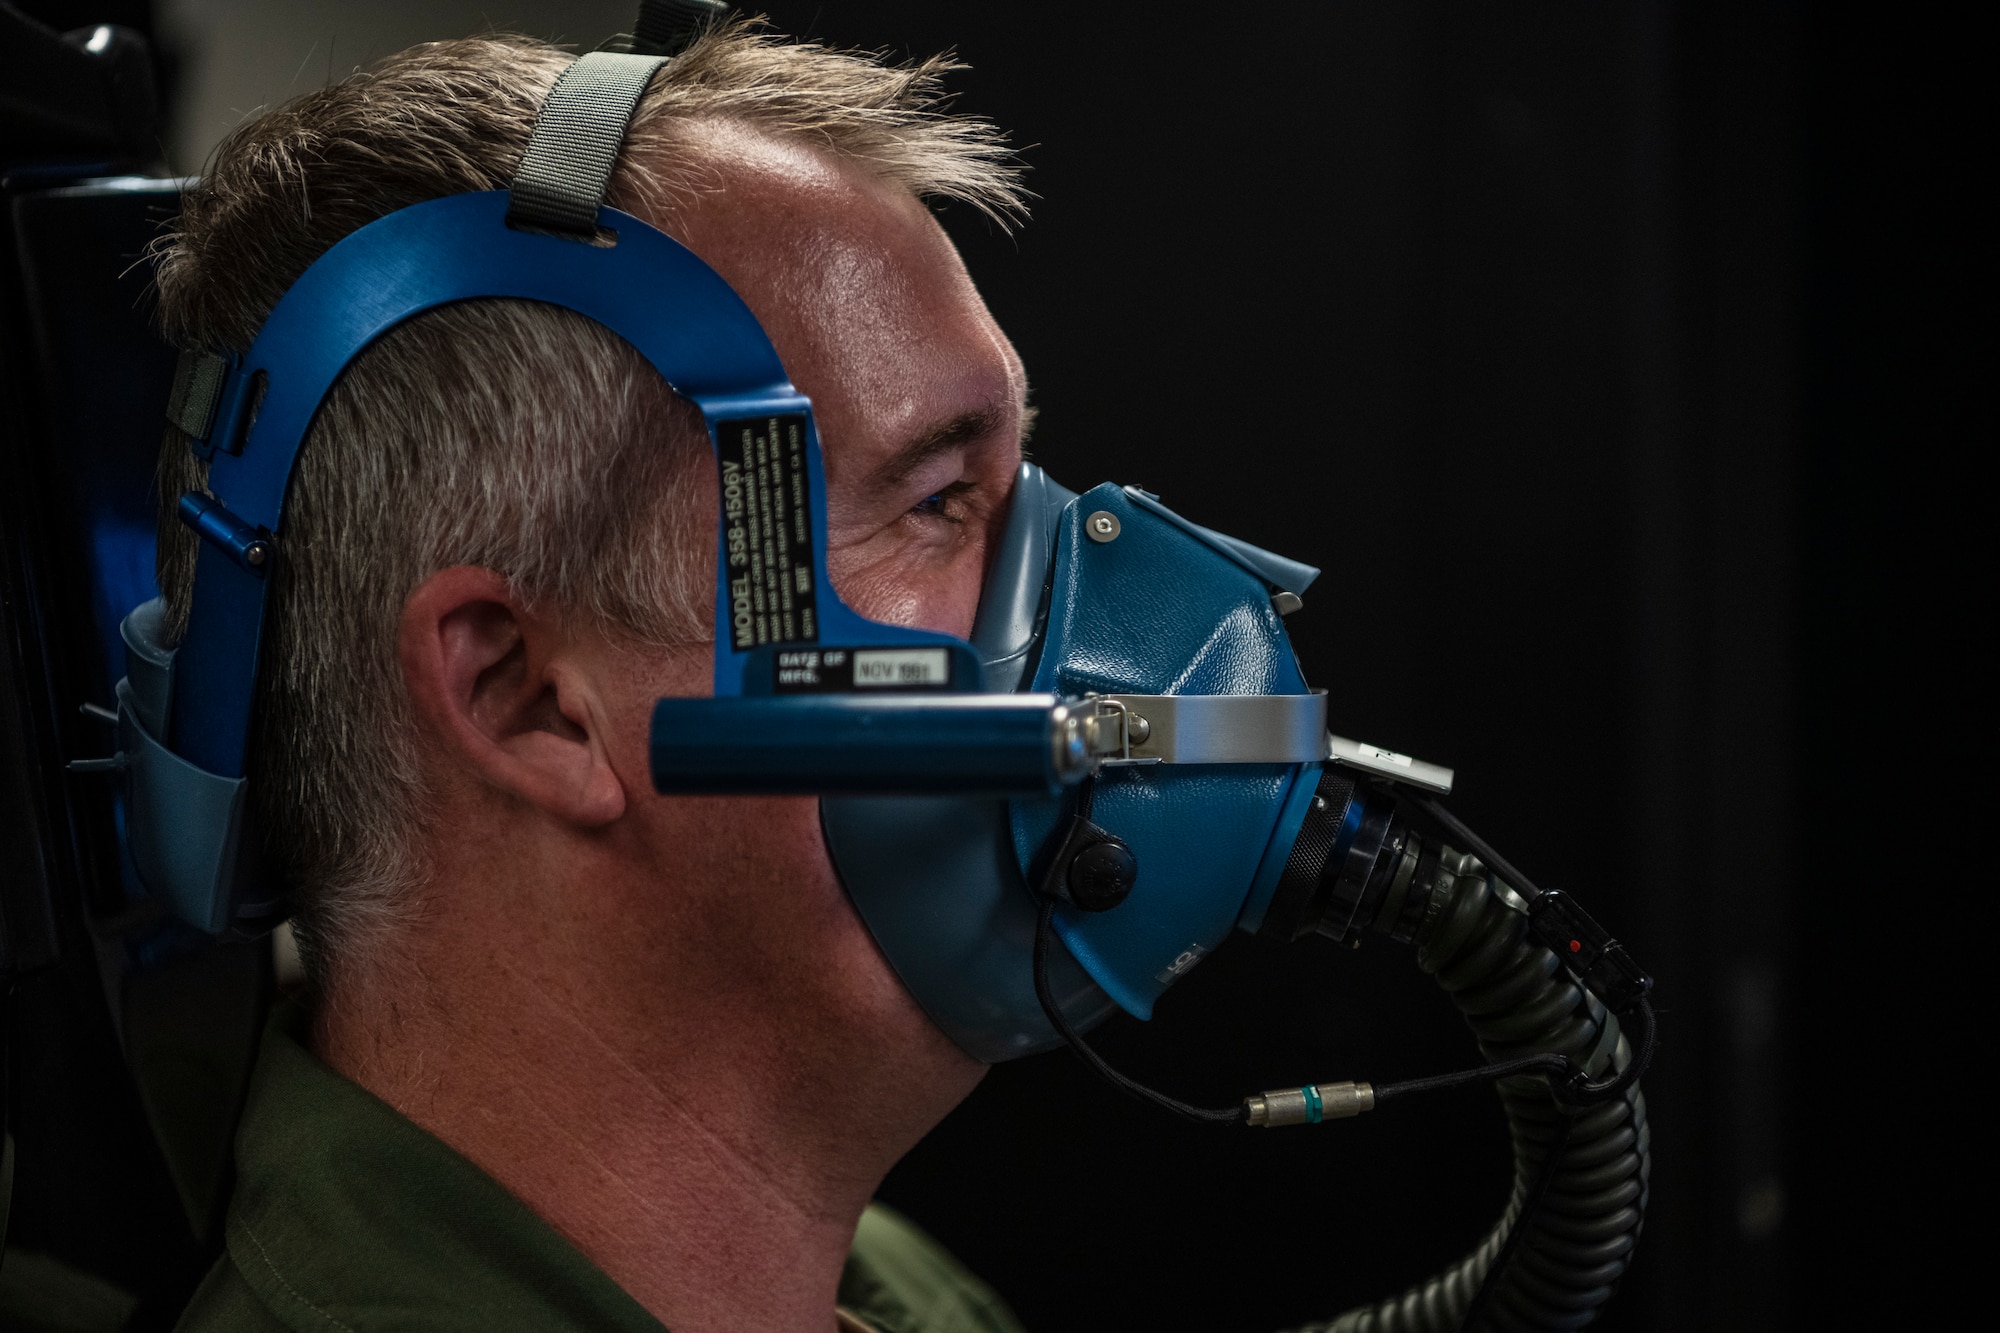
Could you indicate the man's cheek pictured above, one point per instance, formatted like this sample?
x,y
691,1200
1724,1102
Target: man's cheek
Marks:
x,y
941,599
883,597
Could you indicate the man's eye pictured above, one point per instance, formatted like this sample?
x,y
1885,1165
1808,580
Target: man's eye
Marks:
x,y
947,504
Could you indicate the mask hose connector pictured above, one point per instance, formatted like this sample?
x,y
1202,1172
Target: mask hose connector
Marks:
x,y
1310,1105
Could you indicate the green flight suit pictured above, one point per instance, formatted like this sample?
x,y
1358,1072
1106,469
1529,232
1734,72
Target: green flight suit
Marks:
x,y
347,1218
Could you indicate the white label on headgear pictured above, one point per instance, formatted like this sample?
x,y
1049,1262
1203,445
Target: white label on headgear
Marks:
x,y
900,668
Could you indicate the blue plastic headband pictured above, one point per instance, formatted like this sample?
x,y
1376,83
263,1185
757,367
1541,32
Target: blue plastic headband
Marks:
x,y
647,288
772,589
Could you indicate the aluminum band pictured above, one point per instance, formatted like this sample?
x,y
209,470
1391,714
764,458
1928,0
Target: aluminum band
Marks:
x,y
1226,728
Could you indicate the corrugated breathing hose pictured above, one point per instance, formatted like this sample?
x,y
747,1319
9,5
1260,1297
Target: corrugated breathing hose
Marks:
x,y
1520,1000
1543,987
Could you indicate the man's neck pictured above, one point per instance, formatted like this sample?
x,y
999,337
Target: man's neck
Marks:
x,y
715,1169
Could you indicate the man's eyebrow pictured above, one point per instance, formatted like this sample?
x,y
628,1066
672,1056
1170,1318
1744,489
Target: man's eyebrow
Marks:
x,y
937,438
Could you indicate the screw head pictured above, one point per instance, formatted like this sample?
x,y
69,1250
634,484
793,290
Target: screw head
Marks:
x,y
1101,526
1102,875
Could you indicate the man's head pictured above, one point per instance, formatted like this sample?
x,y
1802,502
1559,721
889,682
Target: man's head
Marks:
x,y
499,540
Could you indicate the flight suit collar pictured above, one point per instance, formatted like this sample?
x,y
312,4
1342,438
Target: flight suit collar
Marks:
x,y
347,1216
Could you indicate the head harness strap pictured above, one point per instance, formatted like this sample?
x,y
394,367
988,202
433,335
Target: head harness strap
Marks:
x,y
562,180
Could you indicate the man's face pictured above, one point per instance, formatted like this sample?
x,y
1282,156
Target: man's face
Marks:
x,y
919,397
920,402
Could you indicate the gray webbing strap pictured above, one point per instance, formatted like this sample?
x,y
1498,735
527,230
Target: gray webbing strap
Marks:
x,y
197,388
561,182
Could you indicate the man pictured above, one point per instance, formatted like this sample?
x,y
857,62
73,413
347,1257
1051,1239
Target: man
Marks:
x,y
577,1055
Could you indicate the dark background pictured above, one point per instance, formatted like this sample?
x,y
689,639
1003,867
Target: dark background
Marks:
x,y
1615,361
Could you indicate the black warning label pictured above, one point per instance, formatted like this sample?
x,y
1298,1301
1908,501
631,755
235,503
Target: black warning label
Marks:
x,y
767,538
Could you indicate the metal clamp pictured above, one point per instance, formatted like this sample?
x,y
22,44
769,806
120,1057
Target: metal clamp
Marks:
x,y
1220,728
1110,730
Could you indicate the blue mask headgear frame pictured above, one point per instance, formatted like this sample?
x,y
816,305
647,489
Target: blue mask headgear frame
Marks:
x,y
1117,645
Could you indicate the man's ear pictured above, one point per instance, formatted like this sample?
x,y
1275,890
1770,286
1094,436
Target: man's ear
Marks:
x,y
497,686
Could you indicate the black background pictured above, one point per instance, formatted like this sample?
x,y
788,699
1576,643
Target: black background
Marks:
x,y
1616,362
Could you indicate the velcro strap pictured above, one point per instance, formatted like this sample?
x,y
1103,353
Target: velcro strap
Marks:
x,y
669,27
198,381
562,181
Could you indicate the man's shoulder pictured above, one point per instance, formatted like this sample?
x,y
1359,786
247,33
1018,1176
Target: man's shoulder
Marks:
x,y
225,1303
899,1280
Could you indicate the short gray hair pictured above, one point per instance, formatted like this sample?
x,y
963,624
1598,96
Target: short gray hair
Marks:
x,y
520,437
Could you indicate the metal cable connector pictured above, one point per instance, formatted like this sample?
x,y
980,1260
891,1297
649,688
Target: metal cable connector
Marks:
x,y
1311,1104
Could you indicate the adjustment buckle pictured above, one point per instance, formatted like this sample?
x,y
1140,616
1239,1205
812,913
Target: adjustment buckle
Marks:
x,y
213,403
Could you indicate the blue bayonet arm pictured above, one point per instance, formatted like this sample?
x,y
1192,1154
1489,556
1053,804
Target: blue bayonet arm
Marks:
x,y
855,744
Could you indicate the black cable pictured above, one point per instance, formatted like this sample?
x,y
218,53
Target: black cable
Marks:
x,y
1044,930
1475,844
1555,1066
1200,1115
1560,1069
1086,796
1566,1078
1569,1081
